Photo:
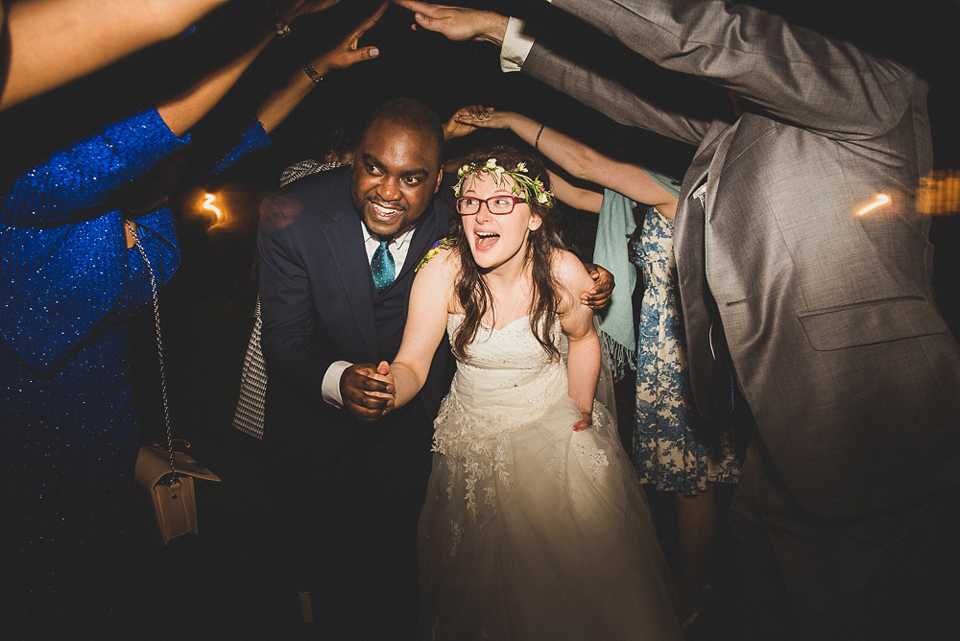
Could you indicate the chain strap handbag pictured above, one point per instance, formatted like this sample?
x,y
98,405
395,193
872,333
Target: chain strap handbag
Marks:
x,y
165,476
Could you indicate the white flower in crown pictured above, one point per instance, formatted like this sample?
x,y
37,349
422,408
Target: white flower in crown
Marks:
x,y
522,166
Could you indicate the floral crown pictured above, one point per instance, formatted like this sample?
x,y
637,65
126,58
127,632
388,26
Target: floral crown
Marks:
x,y
531,188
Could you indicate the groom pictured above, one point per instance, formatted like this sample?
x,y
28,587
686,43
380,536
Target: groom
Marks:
x,y
338,252
350,491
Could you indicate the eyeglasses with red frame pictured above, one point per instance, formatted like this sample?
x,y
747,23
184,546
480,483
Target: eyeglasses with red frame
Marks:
x,y
500,205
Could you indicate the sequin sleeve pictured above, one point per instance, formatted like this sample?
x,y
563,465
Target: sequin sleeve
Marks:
x,y
253,138
85,174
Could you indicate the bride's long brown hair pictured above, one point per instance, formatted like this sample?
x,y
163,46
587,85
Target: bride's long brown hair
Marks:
x,y
471,288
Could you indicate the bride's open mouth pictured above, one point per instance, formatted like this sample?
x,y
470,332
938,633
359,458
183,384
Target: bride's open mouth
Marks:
x,y
486,239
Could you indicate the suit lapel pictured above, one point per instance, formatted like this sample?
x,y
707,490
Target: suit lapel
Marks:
x,y
695,298
423,238
345,239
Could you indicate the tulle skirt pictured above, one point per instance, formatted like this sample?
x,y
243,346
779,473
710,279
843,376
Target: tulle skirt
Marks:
x,y
534,531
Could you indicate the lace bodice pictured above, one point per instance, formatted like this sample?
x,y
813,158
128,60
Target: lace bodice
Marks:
x,y
507,370
507,374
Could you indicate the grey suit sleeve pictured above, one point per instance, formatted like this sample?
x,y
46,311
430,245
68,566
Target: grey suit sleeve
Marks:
x,y
609,96
795,74
290,343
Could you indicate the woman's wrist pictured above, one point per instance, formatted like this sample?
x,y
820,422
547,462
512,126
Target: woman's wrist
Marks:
x,y
313,72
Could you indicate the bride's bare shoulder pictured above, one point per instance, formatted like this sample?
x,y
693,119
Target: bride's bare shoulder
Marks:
x,y
569,272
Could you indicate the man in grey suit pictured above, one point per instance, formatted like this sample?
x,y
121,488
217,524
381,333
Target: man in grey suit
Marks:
x,y
797,240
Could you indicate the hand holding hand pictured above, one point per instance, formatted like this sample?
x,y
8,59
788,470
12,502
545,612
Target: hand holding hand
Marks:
x,y
461,123
598,297
457,23
366,393
347,52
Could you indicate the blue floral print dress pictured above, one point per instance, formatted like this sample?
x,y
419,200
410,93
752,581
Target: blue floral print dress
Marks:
x,y
666,452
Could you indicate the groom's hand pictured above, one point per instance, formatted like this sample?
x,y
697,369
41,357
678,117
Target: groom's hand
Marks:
x,y
598,297
365,396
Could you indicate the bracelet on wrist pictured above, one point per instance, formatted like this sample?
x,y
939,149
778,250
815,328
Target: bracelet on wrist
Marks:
x,y
313,73
536,143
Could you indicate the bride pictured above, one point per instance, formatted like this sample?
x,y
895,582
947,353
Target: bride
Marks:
x,y
534,525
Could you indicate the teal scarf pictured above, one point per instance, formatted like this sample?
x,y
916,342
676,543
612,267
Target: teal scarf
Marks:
x,y
614,228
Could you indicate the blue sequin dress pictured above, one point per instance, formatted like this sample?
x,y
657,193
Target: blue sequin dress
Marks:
x,y
69,287
666,451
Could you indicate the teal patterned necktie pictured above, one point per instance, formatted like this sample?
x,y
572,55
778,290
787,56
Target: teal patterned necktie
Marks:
x,y
382,267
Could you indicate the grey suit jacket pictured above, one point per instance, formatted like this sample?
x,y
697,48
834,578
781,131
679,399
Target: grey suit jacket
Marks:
x,y
852,375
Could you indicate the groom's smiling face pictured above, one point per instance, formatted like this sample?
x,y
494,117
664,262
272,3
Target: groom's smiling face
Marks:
x,y
396,172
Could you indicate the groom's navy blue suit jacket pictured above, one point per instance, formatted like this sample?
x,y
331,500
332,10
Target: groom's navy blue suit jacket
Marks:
x,y
319,305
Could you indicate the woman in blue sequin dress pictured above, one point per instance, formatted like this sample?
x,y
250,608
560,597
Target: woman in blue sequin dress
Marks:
x,y
72,279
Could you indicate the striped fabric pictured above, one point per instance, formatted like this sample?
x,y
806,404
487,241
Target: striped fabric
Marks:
x,y
248,417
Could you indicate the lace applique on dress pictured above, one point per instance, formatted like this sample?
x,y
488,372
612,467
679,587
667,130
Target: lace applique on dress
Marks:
x,y
596,458
456,535
474,437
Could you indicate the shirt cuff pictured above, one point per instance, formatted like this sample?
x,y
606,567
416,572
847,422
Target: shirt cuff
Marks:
x,y
516,46
330,387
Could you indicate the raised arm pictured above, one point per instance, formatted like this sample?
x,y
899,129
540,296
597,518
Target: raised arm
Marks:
x,y
583,357
52,42
57,188
458,23
576,197
579,160
605,95
282,102
182,112
426,323
794,73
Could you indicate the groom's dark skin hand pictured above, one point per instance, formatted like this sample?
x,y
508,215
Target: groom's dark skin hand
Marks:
x,y
360,392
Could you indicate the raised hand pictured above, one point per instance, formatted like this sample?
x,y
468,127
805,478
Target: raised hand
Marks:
x,y
488,118
461,123
366,393
348,52
457,23
599,296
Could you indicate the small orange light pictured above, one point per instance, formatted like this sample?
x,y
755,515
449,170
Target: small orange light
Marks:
x,y
880,201
209,206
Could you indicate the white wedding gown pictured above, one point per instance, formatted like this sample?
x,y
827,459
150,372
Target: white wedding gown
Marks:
x,y
531,530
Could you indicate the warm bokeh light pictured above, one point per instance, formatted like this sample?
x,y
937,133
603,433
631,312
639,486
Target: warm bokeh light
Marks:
x,y
939,193
210,209
879,201
208,205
